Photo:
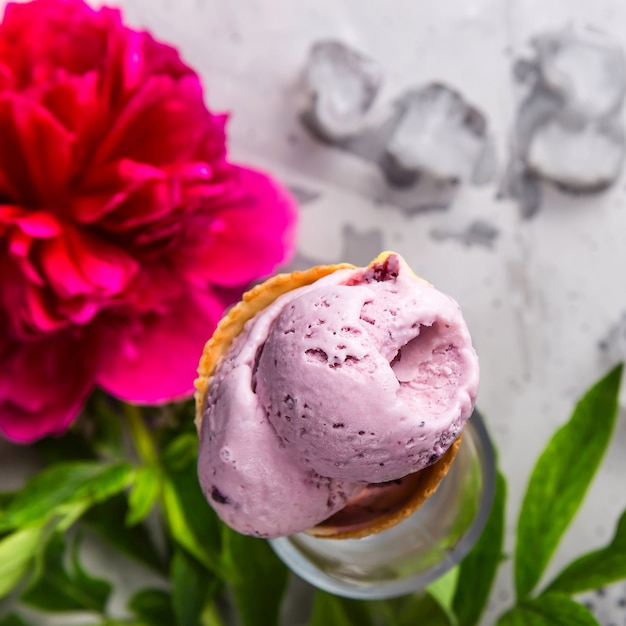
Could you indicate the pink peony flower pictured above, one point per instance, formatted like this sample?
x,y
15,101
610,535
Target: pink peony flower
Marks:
x,y
124,230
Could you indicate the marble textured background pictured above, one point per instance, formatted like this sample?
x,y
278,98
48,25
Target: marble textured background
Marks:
x,y
539,294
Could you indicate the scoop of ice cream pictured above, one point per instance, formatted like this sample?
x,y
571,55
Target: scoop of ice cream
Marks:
x,y
250,477
369,380
365,376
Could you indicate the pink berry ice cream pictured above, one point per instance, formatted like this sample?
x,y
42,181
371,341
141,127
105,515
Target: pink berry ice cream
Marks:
x,y
365,376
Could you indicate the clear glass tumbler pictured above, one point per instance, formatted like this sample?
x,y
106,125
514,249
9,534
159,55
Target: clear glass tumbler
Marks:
x,y
412,554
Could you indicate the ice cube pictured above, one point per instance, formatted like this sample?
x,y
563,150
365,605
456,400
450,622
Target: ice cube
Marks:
x,y
486,166
586,69
342,85
569,129
577,154
437,133
524,186
478,233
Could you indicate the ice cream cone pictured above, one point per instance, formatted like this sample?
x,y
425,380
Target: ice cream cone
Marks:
x,y
251,303
380,505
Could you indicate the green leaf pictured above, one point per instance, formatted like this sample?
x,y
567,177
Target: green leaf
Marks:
x,y
332,610
63,486
596,569
552,609
105,421
560,480
70,514
192,522
443,591
52,560
17,552
145,493
153,607
260,578
181,452
479,567
421,608
61,589
12,620
5,499
108,521
96,590
192,587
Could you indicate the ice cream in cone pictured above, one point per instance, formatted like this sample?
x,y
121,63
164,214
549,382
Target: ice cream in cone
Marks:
x,y
332,400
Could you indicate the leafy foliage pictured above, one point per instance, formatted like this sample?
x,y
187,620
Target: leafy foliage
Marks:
x,y
596,569
478,569
153,607
560,480
12,620
144,495
329,609
259,581
17,554
56,489
153,512
108,520
59,588
552,609
192,586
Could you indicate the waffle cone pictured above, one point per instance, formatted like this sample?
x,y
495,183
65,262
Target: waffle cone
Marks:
x,y
251,303
377,507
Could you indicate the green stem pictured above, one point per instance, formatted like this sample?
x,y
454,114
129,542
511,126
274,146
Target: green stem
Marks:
x,y
142,439
146,450
382,609
210,616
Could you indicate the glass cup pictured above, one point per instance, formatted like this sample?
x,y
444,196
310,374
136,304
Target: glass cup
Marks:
x,y
415,552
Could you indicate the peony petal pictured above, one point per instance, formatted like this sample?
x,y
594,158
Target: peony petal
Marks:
x,y
123,66
249,236
38,224
6,77
153,359
78,262
43,386
39,312
107,187
156,284
133,57
74,102
29,307
22,228
19,243
162,59
61,269
79,310
142,204
35,151
175,108
106,266
212,147
130,64
19,248
37,38
9,212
